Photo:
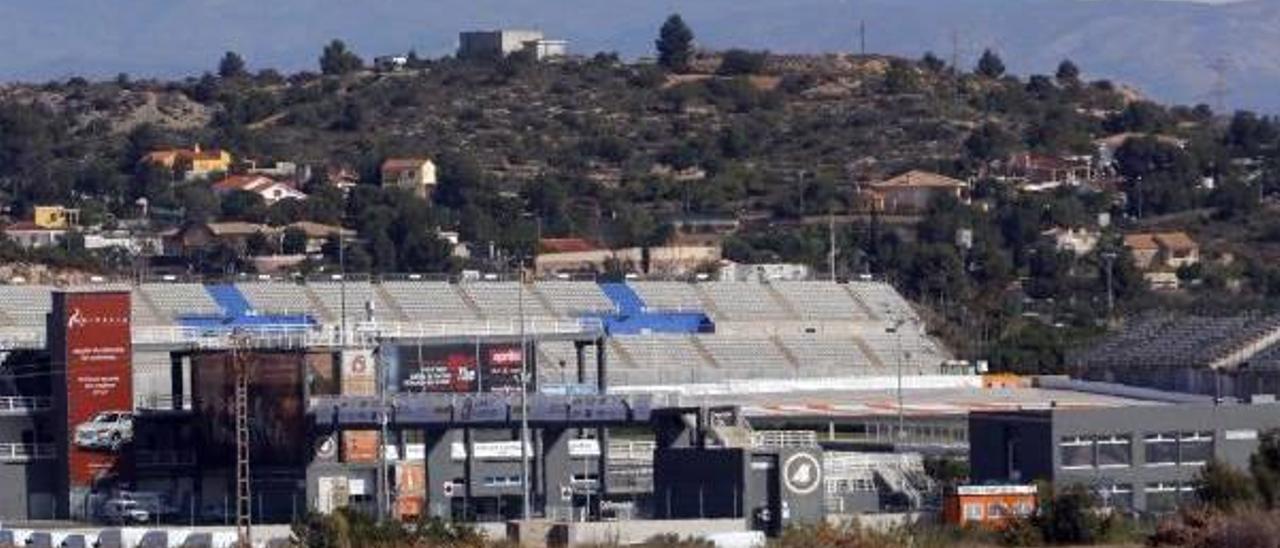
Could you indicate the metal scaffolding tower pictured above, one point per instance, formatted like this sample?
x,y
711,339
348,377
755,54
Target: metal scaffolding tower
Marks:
x,y
244,509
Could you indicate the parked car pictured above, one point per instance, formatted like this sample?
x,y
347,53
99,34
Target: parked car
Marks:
x,y
124,511
108,430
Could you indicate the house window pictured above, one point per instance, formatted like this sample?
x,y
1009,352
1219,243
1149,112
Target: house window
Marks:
x,y
1077,452
973,512
1195,448
1114,451
1161,449
997,510
1022,508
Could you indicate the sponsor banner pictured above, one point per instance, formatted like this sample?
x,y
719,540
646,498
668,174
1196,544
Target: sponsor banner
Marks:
x,y
358,375
458,368
489,450
411,490
360,446
332,493
98,356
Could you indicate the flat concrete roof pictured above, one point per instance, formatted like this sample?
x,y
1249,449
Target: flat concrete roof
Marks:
x,y
919,402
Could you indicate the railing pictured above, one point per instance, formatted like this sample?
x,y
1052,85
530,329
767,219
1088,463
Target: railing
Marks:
x,y
26,452
24,404
779,439
357,333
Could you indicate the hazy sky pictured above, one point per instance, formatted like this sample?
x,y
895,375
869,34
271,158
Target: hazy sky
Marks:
x,y
1160,45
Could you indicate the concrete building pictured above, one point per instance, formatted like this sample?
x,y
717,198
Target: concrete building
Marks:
x,y
1162,250
269,189
913,191
1142,458
415,174
497,44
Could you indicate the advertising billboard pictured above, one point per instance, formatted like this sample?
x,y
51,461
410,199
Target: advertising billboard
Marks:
x,y
358,377
360,446
455,368
97,353
277,412
411,490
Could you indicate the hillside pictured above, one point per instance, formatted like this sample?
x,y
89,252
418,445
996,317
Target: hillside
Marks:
x,y
615,152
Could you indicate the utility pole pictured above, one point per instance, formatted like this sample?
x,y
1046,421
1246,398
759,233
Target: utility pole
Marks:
x,y
862,36
384,487
342,283
1110,258
244,496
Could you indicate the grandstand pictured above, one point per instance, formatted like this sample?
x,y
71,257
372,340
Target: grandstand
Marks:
x,y
663,332
1163,340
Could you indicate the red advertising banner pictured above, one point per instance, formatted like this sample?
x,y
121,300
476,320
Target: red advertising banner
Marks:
x,y
360,446
99,381
411,490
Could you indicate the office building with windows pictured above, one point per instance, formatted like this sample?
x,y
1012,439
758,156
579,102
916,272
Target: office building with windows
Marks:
x,y
1140,458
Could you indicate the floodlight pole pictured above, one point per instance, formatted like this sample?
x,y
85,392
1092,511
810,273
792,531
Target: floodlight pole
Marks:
x,y
244,497
524,400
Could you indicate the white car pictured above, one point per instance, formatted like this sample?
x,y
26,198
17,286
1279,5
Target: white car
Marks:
x,y
124,511
108,430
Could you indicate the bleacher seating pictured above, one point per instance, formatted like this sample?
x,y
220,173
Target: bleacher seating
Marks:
x,y
277,298
24,305
885,302
821,301
501,300
1165,340
573,299
429,301
669,296
744,301
176,300
357,297
833,355
665,338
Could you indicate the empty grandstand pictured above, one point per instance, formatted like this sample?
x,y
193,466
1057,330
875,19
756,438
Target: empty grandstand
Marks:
x,y
1166,340
664,332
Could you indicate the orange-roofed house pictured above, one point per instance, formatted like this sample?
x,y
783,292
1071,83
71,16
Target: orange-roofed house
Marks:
x,y
913,191
566,245
271,190
415,174
1162,250
192,163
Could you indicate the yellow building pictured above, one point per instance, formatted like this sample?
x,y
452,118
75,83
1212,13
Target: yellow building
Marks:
x,y
192,163
56,217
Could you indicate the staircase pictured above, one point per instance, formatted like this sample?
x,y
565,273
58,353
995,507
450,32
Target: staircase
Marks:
x,y
143,299
861,305
786,352
704,353
738,434
392,305
319,307
466,299
707,304
868,352
621,353
540,298
781,300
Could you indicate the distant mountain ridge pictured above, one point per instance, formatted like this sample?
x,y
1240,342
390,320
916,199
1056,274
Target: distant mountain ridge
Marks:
x,y
1163,47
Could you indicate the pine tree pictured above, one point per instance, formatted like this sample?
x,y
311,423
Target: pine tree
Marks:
x,y
675,44
232,66
1068,72
990,65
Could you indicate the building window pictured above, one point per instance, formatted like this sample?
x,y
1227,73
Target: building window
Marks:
x,y
973,512
997,510
1118,496
1161,449
1022,508
1195,448
1162,497
1077,452
1114,451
